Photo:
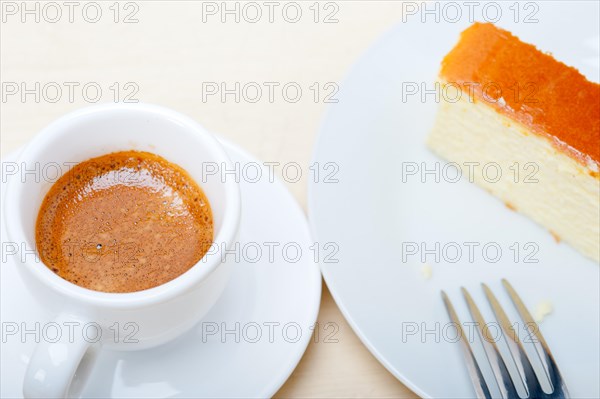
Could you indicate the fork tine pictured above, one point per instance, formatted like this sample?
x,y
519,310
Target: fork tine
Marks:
x,y
517,351
481,388
503,377
541,347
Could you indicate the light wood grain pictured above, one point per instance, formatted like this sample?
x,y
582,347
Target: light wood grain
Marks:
x,y
341,369
168,54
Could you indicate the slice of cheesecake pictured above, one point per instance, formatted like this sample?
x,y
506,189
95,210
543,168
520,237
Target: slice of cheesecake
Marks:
x,y
511,109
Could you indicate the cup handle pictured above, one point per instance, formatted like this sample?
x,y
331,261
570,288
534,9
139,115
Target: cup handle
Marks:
x,y
59,368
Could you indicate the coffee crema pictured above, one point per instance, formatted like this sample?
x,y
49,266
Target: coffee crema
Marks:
x,y
124,222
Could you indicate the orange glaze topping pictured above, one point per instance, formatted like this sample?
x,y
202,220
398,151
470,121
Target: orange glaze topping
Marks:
x,y
552,99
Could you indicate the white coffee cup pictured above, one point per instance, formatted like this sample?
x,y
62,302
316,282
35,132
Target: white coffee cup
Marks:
x,y
156,315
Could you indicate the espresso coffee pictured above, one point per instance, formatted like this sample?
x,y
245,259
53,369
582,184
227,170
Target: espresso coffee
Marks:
x,y
123,222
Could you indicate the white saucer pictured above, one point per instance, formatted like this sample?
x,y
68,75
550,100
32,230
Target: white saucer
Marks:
x,y
370,134
258,296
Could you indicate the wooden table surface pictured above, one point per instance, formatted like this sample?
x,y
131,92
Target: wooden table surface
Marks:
x,y
173,55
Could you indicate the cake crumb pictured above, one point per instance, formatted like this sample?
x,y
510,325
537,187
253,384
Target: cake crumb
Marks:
x,y
542,310
426,271
556,237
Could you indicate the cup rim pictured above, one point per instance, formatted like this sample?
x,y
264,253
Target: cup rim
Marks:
x,y
180,284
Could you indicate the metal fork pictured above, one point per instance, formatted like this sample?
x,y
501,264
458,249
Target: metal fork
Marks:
x,y
518,355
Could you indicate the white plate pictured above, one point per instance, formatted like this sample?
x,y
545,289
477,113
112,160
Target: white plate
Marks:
x,y
370,213
258,294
